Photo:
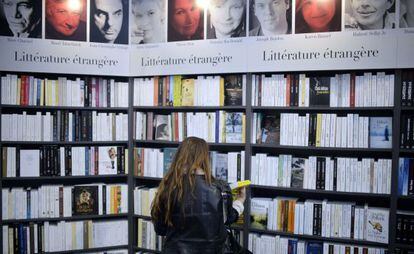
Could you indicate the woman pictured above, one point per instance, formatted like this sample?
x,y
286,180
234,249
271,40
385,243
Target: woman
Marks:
x,y
315,16
185,20
226,19
188,207
149,21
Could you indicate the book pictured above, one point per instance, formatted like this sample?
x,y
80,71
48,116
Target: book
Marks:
x,y
162,127
270,129
221,166
29,162
377,222
239,184
85,200
169,154
187,97
319,91
298,169
314,248
380,132
234,127
107,163
259,212
233,89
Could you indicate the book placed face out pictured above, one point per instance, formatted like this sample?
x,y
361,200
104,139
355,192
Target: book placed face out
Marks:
x,y
270,129
380,132
377,225
85,200
108,160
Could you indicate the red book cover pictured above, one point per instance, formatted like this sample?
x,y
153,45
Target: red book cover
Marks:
x,y
352,99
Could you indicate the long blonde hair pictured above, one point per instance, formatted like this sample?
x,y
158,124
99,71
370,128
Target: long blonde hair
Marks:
x,y
192,154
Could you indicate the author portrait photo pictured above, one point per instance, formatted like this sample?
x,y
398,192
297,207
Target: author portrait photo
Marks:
x,y
65,20
270,17
185,20
407,13
148,21
369,14
226,18
317,16
21,18
109,21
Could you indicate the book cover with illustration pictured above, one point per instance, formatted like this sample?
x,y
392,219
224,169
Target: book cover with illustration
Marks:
x,y
377,225
85,200
380,132
107,163
234,127
314,248
319,90
187,92
220,169
298,169
233,90
169,154
259,208
162,127
270,129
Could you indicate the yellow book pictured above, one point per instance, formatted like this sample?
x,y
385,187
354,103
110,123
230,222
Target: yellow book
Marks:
x,y
139,234
56,93
74,244
177,91
49,93
90,234
42,92
112,200
187,92
239,184
221,91
19,89
318,129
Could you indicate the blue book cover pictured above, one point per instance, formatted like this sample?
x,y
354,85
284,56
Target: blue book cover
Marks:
x,y
169,154
314,248
402,176
380,132
292,246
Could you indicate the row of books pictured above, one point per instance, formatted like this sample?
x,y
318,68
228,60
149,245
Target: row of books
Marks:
x,y
280,245
407,131
405,227
143,197
323,130
218,127
64,126
155,162
406,177
92,92
146,236
228,90
55,201
403,251
64,236
320,218
341,90
407,89
323,173
64,161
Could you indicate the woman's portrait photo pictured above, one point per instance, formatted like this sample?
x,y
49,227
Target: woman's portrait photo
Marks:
x,y
21,18
185,20
226,18
148,21
317,16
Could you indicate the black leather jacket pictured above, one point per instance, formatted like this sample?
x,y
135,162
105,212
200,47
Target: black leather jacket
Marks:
x,y
198,220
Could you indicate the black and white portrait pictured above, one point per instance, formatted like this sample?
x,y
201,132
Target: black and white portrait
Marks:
x,y
226,18
109,21
369,14
270,17
21,18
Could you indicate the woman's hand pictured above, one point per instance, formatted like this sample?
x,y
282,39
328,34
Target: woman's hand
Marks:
x,y
241,195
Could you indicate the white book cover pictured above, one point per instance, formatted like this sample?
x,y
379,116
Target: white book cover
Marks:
x,y
29,163
377,223
107,163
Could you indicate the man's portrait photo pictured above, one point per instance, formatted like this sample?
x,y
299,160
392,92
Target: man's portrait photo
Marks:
x,y
66,20
270,17
407,13
21,18
149,21
109,21
369,14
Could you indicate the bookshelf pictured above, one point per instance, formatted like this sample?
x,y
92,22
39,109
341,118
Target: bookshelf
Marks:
x,y
392,200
